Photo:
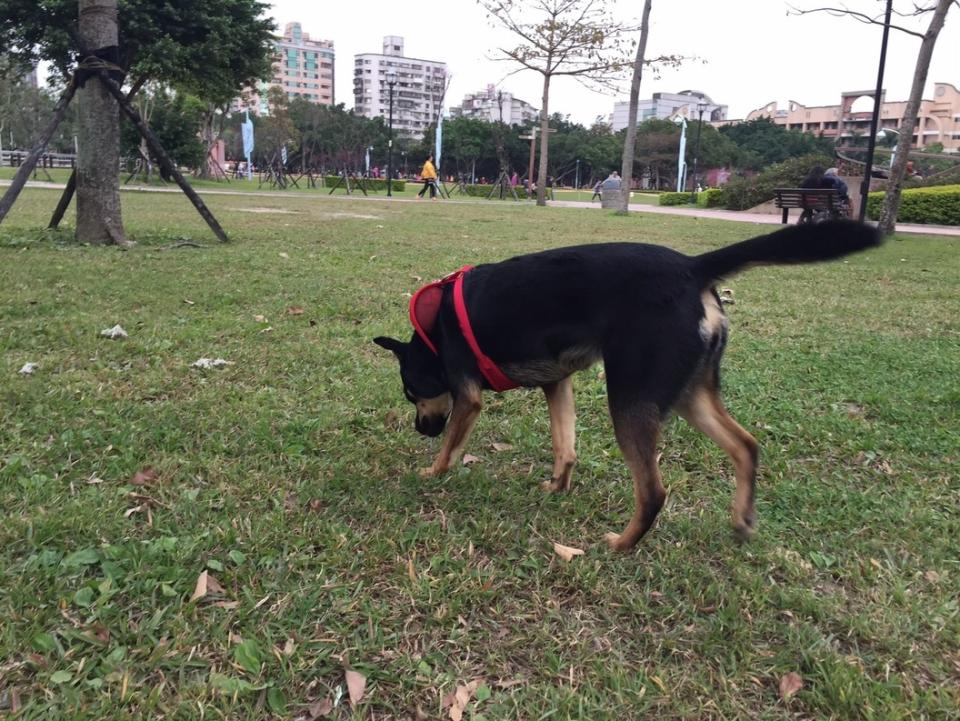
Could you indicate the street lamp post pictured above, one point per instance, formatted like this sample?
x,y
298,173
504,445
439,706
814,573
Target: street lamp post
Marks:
x,y
391,81
875,118
696,151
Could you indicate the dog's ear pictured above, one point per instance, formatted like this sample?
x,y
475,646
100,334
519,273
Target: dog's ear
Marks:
x,y
398,347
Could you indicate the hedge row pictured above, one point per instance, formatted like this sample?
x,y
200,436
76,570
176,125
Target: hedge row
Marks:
x,y
939,205
711,198
370,183
677,198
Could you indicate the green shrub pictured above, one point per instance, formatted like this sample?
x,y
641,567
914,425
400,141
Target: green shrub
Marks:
x,y
375,184
677,198
711,198
744,193
939,205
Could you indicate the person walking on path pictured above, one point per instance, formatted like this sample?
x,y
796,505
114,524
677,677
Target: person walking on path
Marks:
x,y
429,177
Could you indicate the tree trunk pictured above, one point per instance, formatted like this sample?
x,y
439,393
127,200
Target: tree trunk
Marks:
x,y
544,141
208,137
630,141
98,160
891,200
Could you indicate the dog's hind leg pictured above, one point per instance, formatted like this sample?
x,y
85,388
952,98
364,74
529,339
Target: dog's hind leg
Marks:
x,y
563,433
704,410
466,408
637,428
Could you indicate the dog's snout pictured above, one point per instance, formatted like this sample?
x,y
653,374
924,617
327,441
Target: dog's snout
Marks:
x,y
431,426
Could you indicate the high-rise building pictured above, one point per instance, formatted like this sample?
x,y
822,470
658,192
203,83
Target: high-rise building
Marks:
x,y
493,105
302,68
417,94
666,105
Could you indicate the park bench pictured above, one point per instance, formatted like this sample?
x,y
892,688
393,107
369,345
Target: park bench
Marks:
x,y
813,199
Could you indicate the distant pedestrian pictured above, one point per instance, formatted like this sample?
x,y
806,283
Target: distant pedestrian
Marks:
x,y
429,177
596,190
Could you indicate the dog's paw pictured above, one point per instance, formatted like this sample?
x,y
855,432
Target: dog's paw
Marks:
x,y
743,532
745,526
554,486
616,542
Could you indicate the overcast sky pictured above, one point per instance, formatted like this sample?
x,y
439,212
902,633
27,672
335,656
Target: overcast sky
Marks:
x,y
749,51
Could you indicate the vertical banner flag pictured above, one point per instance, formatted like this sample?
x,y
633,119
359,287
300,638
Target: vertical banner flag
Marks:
x,y
367,161
283,155
681,163
246,130
436,154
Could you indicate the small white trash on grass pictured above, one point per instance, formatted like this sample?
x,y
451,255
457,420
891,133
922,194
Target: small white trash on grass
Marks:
x,y
211,363
114,333
28,369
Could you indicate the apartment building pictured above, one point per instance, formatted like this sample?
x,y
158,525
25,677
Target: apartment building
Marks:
x,y
302,68
494,105
667,105
937,122
417,93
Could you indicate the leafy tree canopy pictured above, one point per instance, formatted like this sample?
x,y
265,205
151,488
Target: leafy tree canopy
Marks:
x,y
768,143
210,48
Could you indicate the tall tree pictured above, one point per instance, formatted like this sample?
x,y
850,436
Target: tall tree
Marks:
x,y
98,160
573,38
891,201
630,138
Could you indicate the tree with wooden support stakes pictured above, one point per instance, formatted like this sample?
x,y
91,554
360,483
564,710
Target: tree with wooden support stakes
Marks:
x,y
564,38
210,49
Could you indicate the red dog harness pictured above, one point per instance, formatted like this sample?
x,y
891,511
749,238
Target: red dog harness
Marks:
x,y
424,309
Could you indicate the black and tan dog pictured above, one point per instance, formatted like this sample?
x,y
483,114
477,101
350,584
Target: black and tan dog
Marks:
x,y
651,314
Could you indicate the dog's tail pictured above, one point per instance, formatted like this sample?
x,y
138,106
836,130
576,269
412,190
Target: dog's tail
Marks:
x,y
809,243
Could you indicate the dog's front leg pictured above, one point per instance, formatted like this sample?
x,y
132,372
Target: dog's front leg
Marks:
x,y
466,409
563,433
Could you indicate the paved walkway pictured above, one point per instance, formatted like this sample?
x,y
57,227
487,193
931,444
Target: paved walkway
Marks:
x,y
737,216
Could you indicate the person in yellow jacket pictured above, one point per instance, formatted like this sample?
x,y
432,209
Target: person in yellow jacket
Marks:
x,y
429,177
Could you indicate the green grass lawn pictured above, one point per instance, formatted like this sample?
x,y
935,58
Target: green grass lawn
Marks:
x,y
61,175
289,476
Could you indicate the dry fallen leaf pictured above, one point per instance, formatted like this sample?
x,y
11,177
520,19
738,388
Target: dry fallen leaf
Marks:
x,y
136,509
201,588
144,476
500,447
411,571
567,552
294,310
188,301
356,684
260,318
458,700
284,255
205,584
789,684
468,459
320,708
213,585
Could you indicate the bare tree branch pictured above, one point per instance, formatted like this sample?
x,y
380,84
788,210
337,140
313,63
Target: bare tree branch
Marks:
x,y
858,16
